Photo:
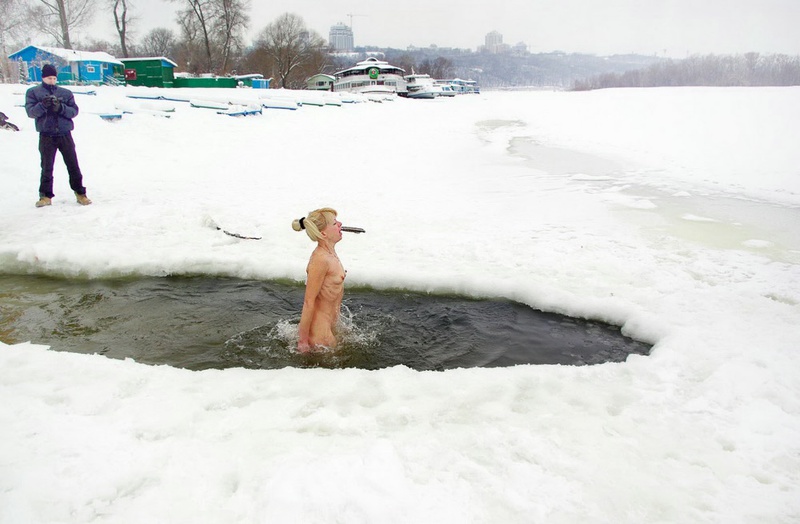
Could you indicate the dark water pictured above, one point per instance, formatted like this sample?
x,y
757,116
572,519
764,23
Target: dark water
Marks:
x,y
205,322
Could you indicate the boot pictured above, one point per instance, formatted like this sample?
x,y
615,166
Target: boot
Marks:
x,y
43,201
82,199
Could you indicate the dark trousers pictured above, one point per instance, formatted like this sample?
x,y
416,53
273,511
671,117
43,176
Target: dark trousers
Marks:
x,y
48,145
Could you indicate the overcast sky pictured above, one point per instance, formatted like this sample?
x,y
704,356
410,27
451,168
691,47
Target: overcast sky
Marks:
x,y
674,28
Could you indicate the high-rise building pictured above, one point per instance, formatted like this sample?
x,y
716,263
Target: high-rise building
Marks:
x,y
494,42
341,37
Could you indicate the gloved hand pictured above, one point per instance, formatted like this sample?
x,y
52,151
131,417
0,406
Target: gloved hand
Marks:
x,y
56,108
47,101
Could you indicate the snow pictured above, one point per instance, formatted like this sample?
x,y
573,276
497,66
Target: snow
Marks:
x,y
71,55
671,212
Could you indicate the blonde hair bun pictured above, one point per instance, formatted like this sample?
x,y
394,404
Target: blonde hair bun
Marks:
x,y
315,222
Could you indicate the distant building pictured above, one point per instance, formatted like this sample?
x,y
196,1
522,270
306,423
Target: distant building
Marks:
x,y
320,82
494,43
521,48
341,38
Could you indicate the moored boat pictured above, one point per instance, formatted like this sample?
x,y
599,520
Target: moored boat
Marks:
x,y
421,86
447,89
462,87
371,76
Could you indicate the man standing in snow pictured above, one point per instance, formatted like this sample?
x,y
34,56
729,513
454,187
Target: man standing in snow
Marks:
x,y
53,108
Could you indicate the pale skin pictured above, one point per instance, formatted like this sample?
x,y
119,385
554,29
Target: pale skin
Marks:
x,y
324,291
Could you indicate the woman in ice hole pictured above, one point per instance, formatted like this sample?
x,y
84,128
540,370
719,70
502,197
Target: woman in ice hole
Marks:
x,y
325,282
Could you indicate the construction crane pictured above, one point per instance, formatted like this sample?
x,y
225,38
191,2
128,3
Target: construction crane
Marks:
x,y
351,15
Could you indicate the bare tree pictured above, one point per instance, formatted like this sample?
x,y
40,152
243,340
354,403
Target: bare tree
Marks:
x,y
121,20
441,67
12,19
406,62
291,46
216,27
58,17
158,42
97,44
230,22
189,50
196,23
256,59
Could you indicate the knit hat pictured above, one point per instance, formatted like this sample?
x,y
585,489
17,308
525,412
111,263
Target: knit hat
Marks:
x,y
49,70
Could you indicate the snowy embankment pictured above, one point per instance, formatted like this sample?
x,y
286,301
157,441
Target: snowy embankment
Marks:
x,y
671,212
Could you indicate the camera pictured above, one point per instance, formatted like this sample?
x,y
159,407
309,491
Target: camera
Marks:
x,y
51,101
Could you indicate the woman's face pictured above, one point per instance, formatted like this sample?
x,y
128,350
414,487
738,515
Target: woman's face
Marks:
x,y
334,231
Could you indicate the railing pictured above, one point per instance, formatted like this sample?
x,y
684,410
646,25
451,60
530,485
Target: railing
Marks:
x,y
111,80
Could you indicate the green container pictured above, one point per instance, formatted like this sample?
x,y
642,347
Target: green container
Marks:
x,y
149,72
205,82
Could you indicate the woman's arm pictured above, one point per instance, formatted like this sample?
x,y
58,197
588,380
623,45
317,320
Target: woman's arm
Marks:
x,y
317,270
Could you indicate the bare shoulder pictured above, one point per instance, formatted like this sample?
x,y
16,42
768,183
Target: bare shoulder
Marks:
x,y
320,260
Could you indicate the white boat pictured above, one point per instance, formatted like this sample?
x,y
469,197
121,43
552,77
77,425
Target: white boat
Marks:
x,y
371,76
421,86
461,87
447,89
472,87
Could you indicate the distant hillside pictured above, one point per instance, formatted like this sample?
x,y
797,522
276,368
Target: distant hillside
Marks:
x,y
509,70
585,72
751,69
559,70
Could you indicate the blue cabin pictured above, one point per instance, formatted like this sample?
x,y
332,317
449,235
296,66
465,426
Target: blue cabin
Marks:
x,y
74,67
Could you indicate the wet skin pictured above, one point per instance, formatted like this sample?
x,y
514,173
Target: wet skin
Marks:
x,y
324,292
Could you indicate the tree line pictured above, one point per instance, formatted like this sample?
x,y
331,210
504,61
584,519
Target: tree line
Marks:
x,y
749,69
210,36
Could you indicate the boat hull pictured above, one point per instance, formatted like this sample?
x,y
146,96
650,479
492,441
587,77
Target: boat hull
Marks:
x,y
427,95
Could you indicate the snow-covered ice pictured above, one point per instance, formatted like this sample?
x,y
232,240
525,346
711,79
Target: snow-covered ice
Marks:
x,y
670,212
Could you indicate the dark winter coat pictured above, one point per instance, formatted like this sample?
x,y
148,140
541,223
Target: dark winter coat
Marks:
x,y
47,122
